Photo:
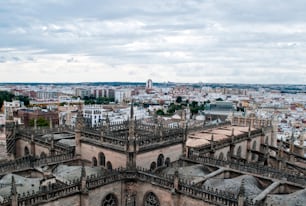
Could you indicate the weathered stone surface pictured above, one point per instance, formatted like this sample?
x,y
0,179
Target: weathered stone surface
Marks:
x,y
294,199
251,185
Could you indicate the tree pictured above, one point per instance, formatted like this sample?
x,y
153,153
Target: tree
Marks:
x,y
172,108
178,99
207,102
160,112
194,110
5,96
41,122
24,99
194,103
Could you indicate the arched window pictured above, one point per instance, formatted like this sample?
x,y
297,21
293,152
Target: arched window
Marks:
x,y
94,161
43,155
110,200
221,156
153,166
228,155
267,140
151,200
167,162
101,159
109,165
254,148
254,145
238,152
26,151
160,160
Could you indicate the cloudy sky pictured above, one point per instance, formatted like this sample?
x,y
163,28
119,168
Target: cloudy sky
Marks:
x,y
222,41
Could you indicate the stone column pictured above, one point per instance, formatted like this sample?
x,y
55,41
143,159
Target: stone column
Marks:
x,y
52,150
129,196
252,122
212,146
84,200
35,123
248,152
14,194
50,123
241,195
175,194
78,131
32,145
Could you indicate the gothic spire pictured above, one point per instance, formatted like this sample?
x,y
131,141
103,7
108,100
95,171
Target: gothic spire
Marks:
x,y
79,118
13,186
132,110
83,171
131,121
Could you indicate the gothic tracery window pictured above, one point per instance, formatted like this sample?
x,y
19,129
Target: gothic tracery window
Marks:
x,y
110,200
238,152
101,159
151,200
109,165
94,161
254,148
26,151
160,160
167,162
43,155
153,166
267,140
221,156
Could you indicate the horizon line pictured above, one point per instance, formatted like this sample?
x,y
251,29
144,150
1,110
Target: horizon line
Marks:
x,y
140,82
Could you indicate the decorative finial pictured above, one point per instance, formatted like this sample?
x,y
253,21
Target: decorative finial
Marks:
x,y
13,186
242,188
83,171
132,109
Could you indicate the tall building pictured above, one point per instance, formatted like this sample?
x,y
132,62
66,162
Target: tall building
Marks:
x,y
123,95
80,92
149,84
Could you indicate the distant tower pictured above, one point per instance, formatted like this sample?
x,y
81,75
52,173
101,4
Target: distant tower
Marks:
x,y
78,131
149,84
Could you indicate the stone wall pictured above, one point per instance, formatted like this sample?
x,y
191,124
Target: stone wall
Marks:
x,y
174,152
189,201
97,195
72,200
89,151
224,152
166,197
20,148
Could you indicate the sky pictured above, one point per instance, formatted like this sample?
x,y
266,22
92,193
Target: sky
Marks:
x,y
213,41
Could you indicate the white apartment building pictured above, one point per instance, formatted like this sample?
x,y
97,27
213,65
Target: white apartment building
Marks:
x,y
122,94
93,114
9,107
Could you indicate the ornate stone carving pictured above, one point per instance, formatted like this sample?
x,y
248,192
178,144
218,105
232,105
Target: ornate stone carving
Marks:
x,y
151,200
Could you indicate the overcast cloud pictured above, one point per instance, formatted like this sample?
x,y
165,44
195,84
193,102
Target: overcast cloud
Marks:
x,y
241,41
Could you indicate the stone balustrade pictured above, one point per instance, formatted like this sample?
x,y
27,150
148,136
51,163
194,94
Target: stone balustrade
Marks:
x,y
29,162
184,187
202,149
252,168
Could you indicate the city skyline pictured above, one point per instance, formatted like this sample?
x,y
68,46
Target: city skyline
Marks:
x,y
178,41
